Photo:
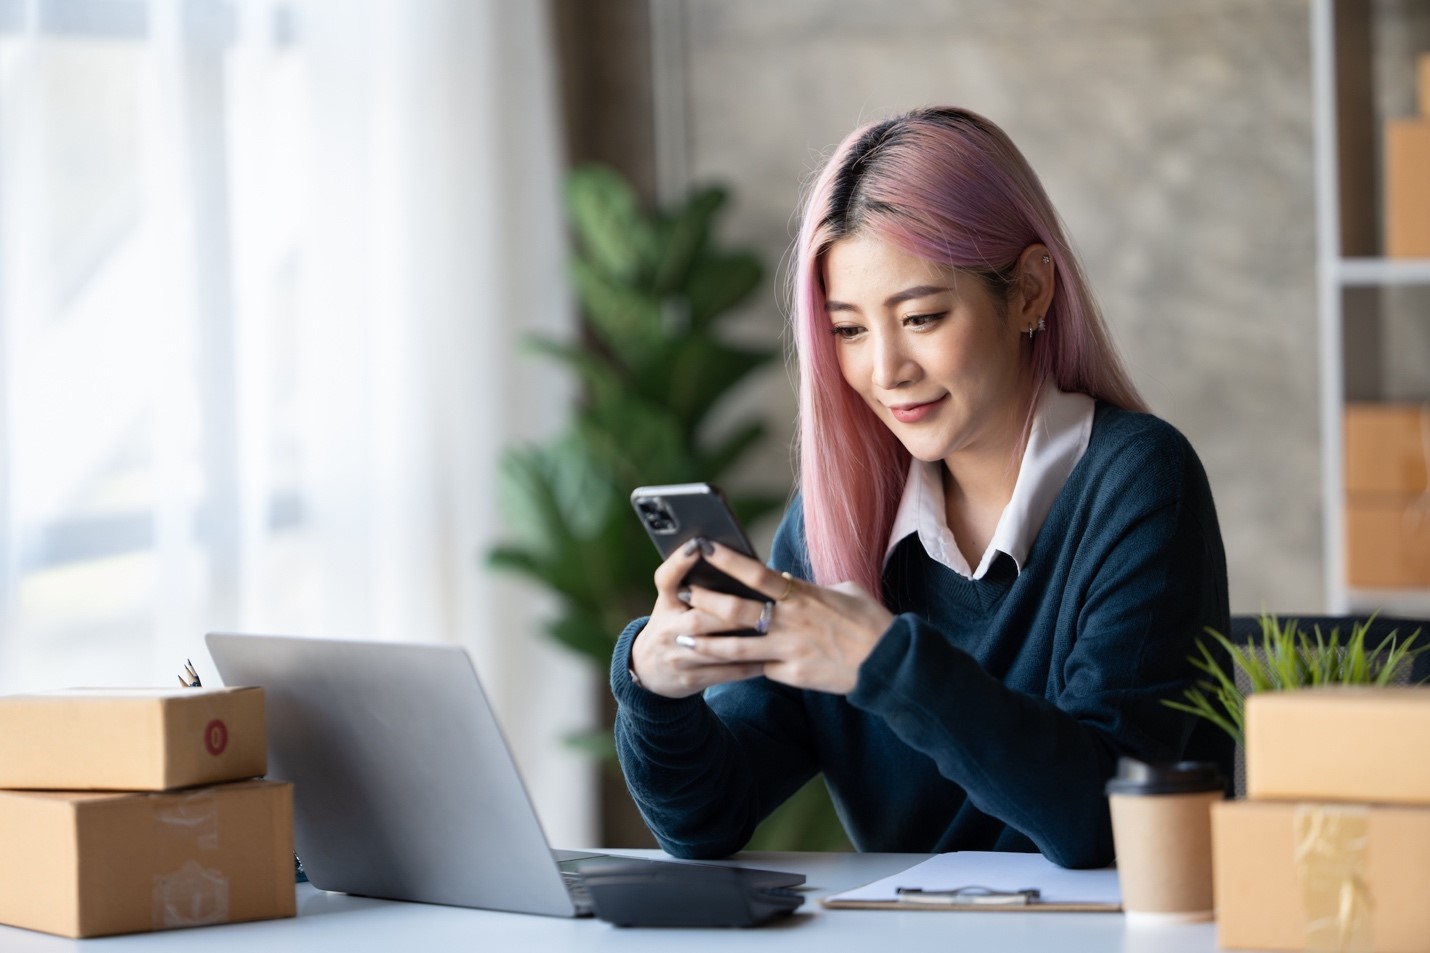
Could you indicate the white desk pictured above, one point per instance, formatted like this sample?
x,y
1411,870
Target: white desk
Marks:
x,y
355,925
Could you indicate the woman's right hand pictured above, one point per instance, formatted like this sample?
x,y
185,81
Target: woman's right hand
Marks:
x,y
659,662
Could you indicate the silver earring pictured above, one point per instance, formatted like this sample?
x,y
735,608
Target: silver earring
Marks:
x,y
1047,260
1040,326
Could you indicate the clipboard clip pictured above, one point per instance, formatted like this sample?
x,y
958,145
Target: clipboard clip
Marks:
x,y
972,895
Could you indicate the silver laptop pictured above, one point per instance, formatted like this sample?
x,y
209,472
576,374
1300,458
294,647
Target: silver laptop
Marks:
x,y
404,787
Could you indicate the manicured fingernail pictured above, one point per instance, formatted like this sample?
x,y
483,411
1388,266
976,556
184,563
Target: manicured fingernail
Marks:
x,y
683,595
685,640
692,545
707,548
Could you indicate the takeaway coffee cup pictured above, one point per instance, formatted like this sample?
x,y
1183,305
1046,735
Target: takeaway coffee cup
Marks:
x,y
1161,828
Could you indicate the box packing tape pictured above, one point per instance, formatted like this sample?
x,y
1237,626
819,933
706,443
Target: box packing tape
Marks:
x,y
1331,843
193,895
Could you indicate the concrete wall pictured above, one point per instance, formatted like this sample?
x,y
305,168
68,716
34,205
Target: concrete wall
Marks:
x,y
1174,137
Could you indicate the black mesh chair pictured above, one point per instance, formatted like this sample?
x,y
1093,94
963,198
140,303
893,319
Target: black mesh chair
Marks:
x,y
1246,630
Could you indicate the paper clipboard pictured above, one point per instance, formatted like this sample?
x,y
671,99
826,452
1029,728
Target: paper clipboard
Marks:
x,y
1006,882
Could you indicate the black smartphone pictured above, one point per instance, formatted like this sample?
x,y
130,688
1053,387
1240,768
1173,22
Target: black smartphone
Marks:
x,y
679,512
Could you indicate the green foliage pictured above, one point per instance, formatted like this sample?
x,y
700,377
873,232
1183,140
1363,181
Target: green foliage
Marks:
x,y
652,364
1287,658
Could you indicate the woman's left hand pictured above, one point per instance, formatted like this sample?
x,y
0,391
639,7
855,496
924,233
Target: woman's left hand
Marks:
x,y
817,636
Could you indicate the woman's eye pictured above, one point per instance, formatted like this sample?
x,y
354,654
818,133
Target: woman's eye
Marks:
x,y
922,320
846,331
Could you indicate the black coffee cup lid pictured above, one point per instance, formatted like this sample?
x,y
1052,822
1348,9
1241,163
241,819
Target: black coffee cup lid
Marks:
x,y
1176,777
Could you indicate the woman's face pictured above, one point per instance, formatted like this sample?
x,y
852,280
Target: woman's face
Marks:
x,y
928,348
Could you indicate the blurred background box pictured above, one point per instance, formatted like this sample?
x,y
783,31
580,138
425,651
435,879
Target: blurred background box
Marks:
x,y
84,864
1388,542
1282,870
1386,447
1387,506
1407,188
150,739
1339,743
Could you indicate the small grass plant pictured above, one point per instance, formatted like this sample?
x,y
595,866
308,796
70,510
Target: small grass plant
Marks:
x,y
1288,657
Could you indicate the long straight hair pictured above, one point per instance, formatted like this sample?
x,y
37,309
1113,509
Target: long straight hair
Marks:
x,y
949,186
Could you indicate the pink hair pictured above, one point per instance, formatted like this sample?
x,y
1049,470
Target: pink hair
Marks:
x,y
949,186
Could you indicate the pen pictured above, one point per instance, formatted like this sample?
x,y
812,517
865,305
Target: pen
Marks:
x,y
973,895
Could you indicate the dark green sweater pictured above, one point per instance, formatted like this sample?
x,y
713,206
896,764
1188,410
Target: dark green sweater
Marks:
x,y
991,712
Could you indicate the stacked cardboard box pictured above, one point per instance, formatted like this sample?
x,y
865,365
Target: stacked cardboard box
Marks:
x,y
1387,495
130,811
1331,849
1407,178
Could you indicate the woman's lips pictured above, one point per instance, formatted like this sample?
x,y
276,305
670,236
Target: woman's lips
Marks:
x,y
913,413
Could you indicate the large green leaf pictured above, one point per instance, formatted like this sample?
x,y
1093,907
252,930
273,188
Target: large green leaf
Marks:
x,y
530,500
627,319
546,545
718,283
607,218
683,237
695,373
602,379
636,441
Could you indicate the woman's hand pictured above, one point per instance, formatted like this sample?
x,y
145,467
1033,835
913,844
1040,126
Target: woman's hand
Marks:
x,y
661,659
816,637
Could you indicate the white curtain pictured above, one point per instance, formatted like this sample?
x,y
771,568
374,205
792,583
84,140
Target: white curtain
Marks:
x,y
264,271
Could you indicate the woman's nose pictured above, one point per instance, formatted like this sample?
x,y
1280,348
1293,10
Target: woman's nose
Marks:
x,y
892,364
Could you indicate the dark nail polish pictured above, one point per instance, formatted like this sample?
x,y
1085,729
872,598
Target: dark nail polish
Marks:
x,y
692,545
707,548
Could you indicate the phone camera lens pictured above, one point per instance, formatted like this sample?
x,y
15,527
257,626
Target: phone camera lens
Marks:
x,y
657,516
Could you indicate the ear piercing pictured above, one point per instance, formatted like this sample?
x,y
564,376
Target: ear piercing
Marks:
x,y
1041,325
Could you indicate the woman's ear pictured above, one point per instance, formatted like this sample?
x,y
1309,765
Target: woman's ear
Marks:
x,y
1032,291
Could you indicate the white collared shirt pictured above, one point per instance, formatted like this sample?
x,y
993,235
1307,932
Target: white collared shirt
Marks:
x,y
1062,426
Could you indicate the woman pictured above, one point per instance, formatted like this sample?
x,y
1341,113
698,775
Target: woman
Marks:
x,y
997,565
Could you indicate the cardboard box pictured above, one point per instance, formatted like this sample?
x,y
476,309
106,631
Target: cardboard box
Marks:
x,y
1407,188
1357,744
1388,542
1307,876
90,864
1386,447
152,739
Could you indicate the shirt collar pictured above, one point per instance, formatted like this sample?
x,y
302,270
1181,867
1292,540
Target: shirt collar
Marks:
x,y
1062,426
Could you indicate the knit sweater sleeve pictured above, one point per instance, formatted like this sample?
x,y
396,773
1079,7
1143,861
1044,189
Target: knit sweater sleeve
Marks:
x,y
1148,574
704,771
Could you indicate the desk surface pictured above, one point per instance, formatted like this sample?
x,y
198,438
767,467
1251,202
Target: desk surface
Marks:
x,y
328,921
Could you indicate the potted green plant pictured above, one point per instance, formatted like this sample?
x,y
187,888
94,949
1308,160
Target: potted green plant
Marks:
x,y
654,360
1287,657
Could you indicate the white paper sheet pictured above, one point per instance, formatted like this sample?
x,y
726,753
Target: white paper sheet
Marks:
x,y
997,870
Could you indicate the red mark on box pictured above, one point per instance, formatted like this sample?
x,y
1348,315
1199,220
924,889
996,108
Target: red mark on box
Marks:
x,y
216,737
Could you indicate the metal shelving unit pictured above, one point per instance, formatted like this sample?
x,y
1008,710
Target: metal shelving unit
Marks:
x,y
1347,260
